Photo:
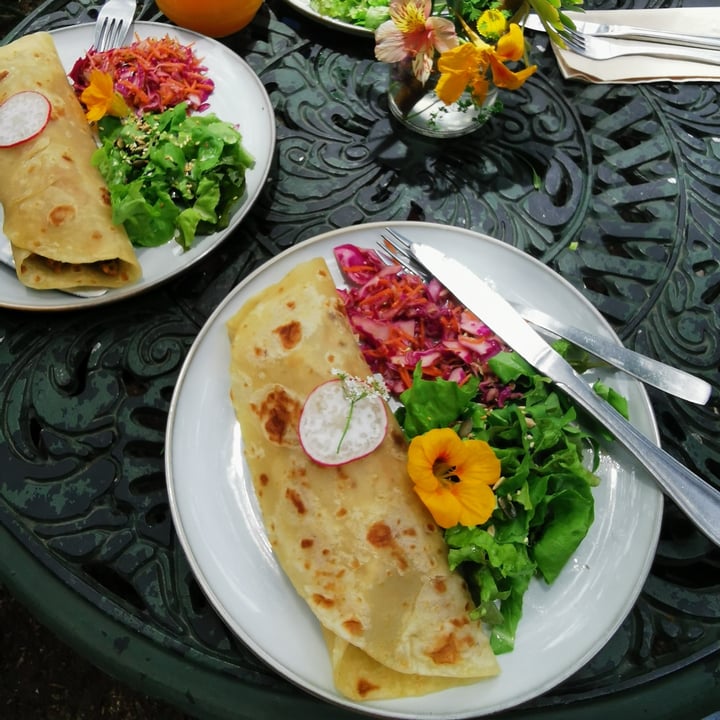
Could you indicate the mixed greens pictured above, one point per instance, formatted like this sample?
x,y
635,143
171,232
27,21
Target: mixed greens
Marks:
x,y
171,174
364,13
545,504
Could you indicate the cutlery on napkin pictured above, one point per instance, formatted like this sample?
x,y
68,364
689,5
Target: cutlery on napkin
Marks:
x,y
651,67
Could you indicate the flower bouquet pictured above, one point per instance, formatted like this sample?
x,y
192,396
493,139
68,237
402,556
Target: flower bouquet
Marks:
x,y
449,58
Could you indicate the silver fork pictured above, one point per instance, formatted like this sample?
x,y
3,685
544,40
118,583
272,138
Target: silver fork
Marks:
x,y
627,32
652,372
597,48
114,23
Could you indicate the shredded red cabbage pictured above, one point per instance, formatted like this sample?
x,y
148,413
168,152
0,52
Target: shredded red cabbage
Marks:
x,y
151,74
401,320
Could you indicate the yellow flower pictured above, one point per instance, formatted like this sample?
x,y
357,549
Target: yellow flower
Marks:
x,y
100,98
467,66
453,477
492,24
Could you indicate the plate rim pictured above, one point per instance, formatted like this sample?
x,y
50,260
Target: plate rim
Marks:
x,y
376,709
65,301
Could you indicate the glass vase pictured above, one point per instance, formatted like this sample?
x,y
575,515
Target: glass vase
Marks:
x,y
417,106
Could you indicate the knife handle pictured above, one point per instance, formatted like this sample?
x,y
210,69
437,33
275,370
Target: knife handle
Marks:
x,y
699,500
625,32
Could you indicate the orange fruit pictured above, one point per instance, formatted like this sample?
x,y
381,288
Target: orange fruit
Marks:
x,y
216,18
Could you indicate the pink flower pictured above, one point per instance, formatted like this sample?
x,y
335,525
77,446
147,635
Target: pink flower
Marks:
x,y
413,33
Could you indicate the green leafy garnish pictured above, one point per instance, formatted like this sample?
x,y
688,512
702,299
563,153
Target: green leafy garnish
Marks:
x,y
170,174
545,504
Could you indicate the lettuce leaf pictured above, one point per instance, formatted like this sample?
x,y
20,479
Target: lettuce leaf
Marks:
x,y
170,174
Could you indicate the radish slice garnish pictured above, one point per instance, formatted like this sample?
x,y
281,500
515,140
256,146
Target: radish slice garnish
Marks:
x,y
343,420
23,116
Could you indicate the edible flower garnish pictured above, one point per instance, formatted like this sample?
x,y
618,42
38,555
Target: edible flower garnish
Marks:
x,y
454,477
356,389
101,99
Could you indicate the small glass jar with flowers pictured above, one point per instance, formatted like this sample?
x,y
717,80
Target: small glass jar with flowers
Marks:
x,y
450,58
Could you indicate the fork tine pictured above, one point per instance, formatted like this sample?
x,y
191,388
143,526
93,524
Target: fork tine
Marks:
x,y
574,39
114,23
397,247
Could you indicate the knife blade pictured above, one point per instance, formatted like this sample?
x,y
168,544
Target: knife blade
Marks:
x,y
626,32
697,498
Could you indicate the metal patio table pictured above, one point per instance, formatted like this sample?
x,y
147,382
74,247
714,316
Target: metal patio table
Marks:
x,y
86,536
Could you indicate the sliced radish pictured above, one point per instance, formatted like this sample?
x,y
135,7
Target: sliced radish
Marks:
x,y
23,116
325,433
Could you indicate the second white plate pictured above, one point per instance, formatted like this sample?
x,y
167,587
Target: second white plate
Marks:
x,y
221,529
239,98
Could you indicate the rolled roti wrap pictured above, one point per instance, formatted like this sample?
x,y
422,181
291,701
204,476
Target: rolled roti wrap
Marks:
x,y
355,540
57,210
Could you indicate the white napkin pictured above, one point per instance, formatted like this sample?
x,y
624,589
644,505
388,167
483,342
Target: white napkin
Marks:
x,y
645,68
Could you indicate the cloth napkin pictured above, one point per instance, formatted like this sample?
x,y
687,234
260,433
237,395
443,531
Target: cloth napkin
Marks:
x,y
645,68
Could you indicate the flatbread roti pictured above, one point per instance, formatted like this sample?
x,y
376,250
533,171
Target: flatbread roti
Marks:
x,y
355,540
56,204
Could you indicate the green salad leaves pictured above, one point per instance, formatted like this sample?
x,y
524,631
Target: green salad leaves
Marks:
x,y
365,13
170,174
545,504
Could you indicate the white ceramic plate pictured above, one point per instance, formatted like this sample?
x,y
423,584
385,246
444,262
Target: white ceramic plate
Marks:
x,y
239,97
220,527
304,7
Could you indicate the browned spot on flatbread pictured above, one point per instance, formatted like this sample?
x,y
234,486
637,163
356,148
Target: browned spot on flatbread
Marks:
x,y
319,599
294,497
61,214
306,543
365,687
439,585
447,653
290,334
354,627
264,479
380,535
278,414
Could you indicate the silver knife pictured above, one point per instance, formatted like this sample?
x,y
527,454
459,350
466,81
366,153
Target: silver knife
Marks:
x,y
652,372
697,498
627,32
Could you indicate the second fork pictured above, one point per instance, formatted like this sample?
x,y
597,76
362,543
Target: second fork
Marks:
x,y
114,23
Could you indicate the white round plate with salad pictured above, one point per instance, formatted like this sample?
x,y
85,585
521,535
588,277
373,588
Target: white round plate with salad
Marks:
x,y
221,529
239,98
305,7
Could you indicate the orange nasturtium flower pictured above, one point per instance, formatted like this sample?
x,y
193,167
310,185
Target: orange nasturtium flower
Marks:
x,y
100,97
467,65
453,477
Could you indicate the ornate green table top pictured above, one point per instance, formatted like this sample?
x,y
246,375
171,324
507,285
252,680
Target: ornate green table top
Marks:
x,y
615,187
